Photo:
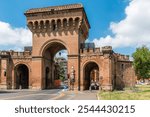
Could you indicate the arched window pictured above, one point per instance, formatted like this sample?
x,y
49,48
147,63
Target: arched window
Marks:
x,y
53,25
58,23
70,22
65,23
36,24
47,23
30,25
77,20
41,24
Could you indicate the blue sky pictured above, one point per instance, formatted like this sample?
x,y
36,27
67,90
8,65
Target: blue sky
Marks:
x,y
105,17
100,12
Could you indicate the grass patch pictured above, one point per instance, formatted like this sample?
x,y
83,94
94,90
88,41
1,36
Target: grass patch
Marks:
x,y
140,92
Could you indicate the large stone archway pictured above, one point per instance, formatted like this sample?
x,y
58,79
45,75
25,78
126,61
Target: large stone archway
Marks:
x,y
49,65
21,77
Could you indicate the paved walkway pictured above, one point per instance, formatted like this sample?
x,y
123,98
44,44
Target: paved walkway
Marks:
x,y
79,95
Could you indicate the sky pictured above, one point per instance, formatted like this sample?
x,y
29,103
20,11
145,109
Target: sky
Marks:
x,y
122,24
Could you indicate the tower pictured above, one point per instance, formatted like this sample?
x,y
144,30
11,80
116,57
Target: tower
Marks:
x,y
54,29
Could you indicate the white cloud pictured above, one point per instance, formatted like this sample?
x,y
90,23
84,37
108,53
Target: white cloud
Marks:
x,y
14,37
133,31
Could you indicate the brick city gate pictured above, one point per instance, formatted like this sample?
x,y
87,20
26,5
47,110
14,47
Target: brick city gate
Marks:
x,y
58,28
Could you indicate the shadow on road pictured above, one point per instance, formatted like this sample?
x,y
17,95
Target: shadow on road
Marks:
x,y
2,92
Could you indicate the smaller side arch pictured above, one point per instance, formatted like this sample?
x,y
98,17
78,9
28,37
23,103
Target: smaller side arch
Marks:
x,y
21,76
90,61
21,62
90,75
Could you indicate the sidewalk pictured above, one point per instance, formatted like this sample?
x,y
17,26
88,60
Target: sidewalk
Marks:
x,y
80,95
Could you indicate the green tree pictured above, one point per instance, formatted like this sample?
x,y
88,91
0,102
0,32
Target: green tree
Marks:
x,y
142,62
61,71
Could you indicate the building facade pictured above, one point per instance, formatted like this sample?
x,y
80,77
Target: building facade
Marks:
x,y
57,28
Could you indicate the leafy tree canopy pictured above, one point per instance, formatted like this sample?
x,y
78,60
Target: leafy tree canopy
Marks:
x,y
142,62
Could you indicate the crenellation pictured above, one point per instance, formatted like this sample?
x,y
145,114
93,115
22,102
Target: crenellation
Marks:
x,y
15,54
20,54
104,50
4,53
64,7
97,50
107,49
90,51
121,57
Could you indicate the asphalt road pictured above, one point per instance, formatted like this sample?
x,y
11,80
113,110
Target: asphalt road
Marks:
x,y
53,94
30,94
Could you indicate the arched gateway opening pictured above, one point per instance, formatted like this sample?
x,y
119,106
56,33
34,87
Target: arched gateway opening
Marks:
x,y
21,77
91,76
53,62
